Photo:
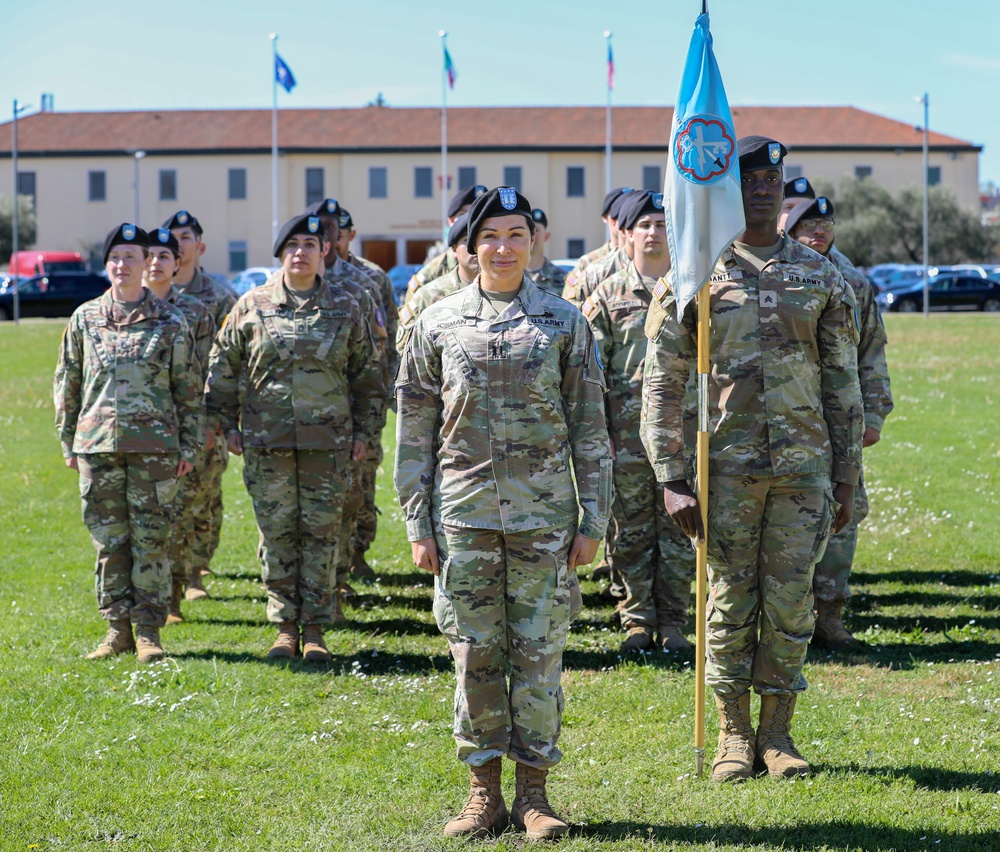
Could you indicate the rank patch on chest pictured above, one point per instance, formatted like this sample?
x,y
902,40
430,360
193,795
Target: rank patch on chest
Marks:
x,y
498,352
768,298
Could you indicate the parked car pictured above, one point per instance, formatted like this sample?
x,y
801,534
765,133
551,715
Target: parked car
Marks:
x,y
54,295
400,276
566,264
250,278
947,292
36,262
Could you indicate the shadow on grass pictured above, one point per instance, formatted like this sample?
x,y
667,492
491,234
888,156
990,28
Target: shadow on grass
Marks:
x,y
340,664
809,835
924,777
867,603
902,656
911,577
926,623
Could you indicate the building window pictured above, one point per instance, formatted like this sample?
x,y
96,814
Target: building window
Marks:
x,y
26,185
237,184
575,187
574,247
97,186
237,255
168,184
512,177
652,179
315,185
466,176
423,182
790,172
933,175
378,182
862,172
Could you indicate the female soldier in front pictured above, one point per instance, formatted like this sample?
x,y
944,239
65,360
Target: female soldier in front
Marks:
x,y
501,441
296,387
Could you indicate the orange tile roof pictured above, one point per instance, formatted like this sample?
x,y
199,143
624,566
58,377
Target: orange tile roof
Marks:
x,y
419,128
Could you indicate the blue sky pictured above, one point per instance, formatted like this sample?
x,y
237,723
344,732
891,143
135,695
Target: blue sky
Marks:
x,y
878,55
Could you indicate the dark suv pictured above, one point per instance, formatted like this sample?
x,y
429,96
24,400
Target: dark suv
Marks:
x,y
54,295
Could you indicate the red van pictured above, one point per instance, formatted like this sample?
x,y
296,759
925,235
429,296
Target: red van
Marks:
x,y
28,263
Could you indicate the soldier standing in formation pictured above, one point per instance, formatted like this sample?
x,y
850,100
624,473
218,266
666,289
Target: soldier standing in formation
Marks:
x,y
445,262
164,257
786,423
811,222
130,420
582,262
542,271
296,390
651,555
192,281
501,441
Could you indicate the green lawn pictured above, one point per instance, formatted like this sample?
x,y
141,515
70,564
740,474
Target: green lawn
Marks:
x,y
216,749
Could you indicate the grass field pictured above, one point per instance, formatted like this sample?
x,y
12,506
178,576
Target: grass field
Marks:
x,y
215,749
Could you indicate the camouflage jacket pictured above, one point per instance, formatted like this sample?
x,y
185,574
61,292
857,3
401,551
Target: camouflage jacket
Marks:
x,y
416,303
290,377
387,299
548,277
873,371
617,312
582,262
603,267
124,383
202,328
440,264
783,392
218,298
500,422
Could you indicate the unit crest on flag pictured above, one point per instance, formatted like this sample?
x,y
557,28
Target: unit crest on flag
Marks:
x,y
704,148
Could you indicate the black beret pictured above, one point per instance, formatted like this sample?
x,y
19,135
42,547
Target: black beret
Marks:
x,y
609,198
307,223
164,238
644,202
464,197
799,188
538,215
345,218
760,152
818,208
499,201
326,207
183,219
624,196
459,228
125,234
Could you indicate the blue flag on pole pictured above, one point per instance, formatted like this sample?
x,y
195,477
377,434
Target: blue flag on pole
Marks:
x,y
283,74
701,191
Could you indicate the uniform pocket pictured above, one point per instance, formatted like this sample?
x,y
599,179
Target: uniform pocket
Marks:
x,y
166,491
86,484
831,508
444,607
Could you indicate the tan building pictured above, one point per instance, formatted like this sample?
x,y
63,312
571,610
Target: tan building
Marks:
x,y
384,165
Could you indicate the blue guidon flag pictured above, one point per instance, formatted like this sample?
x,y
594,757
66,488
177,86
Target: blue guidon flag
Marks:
x,y
702,197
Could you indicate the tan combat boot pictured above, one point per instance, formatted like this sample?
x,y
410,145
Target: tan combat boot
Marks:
x,y
532,811
176,595
314,649
196,589
485,811
360,569
774,737
734,759
286,645
672,639
637,639
117,641
830,631
147,643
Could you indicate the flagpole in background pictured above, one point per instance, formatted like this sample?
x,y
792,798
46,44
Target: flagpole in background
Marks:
x,y
274,140
607,116
447,81
704,211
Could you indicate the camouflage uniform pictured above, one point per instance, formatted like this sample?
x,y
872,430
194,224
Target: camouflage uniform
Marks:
x,y
501,441
219,300
416,303
650,551
298,380
785,418
440,264
574,275
128,406
548,277
833,571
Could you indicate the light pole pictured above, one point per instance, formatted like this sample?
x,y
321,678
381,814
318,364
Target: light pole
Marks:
x,y
927,294
14,241
135,183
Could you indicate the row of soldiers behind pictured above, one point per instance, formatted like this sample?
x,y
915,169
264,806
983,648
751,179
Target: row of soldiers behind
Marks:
x,y
650,561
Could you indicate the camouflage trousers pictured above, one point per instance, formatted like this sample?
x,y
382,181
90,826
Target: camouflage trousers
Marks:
x,y
208,511
127,508
297,497
833,571
765,535
354,499
505,602
366,524
186,510
653,557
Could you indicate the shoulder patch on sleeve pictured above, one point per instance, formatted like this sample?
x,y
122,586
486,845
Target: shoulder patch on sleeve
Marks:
x,y
655,316
590,307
